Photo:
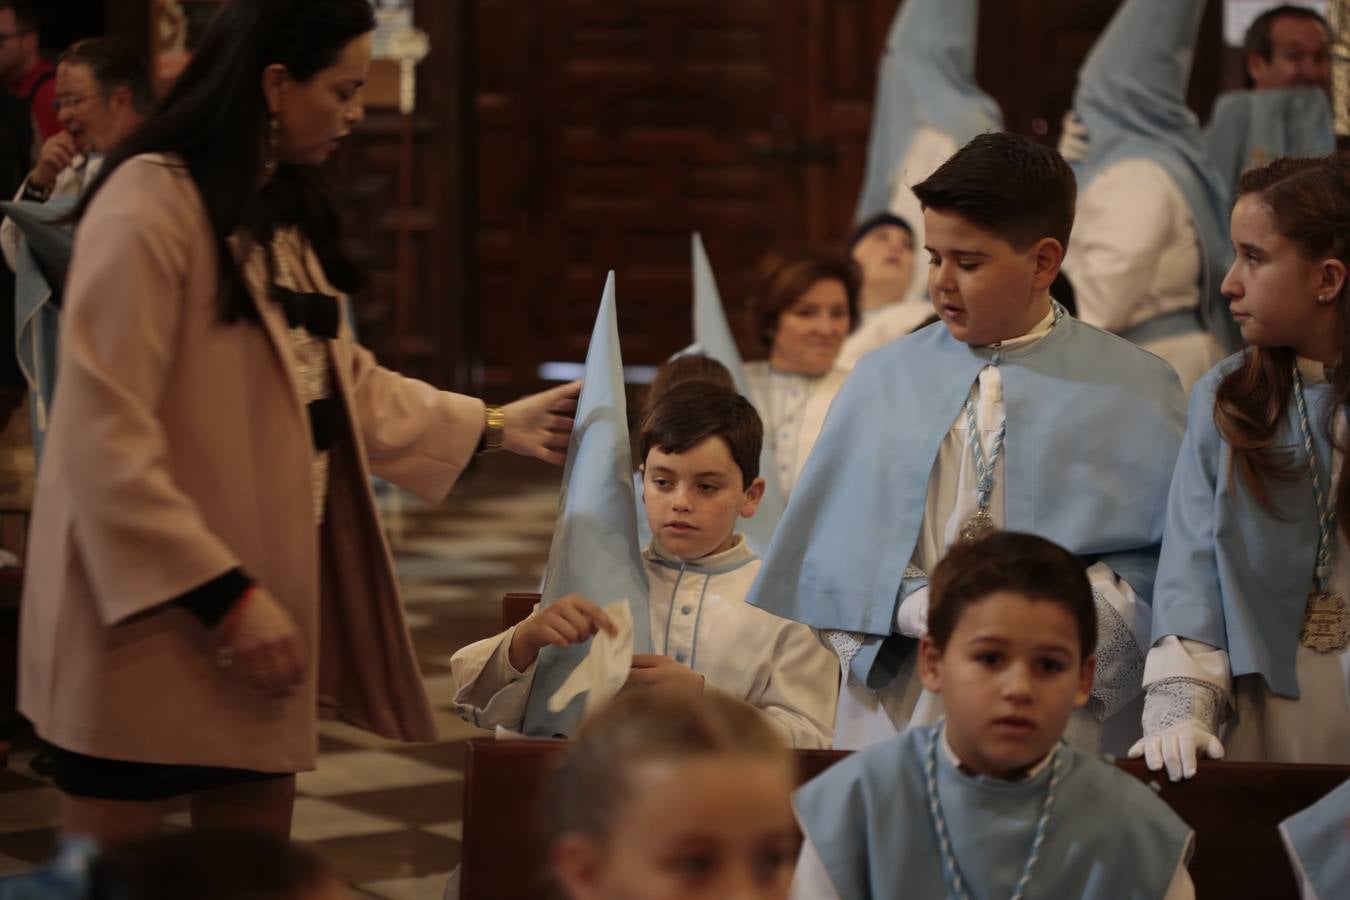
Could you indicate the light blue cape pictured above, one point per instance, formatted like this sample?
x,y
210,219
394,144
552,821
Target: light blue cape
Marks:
x,y
1248,129
1094,425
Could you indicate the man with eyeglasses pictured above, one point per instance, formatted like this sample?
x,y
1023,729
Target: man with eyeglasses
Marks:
x,y
102,95
25,73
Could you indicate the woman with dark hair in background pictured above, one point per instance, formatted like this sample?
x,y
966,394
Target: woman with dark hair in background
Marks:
x,y
803,306
207,569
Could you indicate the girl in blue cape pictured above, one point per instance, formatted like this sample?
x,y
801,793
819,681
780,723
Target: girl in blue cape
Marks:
x,y
992,802
1250,624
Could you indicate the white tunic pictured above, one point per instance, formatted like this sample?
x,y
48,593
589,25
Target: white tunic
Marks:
x,y
886,324
811,881
1135,255
866,717
698,618
793,409
1261,726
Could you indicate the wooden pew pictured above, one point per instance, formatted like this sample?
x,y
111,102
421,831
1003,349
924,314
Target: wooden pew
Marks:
x,y
1233,807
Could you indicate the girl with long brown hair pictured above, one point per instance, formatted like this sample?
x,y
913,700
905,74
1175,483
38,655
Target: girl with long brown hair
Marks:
x,y
1250,622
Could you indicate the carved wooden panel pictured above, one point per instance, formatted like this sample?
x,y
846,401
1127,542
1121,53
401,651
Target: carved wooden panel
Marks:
x,y
606,133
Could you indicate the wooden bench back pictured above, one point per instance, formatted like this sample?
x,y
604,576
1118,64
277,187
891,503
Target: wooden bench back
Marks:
x,y
1235,809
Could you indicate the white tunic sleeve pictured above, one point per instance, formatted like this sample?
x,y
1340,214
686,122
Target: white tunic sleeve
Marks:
x,y
488,691
802,691
1134,252
810,881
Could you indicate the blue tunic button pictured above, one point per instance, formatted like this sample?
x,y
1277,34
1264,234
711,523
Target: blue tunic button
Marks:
x,y
686,609
679,657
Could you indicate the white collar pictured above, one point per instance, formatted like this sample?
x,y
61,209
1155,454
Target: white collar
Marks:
x,y
956,761
1037,332
1312,371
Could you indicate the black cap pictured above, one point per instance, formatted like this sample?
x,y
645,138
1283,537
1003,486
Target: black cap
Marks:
x,y
876,221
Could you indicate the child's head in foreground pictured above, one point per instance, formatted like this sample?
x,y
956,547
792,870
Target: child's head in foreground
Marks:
x,y
699,451
213,865
997,217
1012,627
663,795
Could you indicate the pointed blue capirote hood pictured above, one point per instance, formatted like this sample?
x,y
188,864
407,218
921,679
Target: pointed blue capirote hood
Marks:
x,y
595,551
1248,129
927,77
1132,98
713,336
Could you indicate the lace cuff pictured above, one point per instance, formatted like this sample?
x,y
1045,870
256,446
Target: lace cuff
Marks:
x,y
845,645
1120,662
1171,701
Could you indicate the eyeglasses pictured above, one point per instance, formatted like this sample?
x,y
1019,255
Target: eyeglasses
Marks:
x,y
61,103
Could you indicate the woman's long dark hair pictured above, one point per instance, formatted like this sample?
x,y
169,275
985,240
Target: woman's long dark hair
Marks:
x,y
1309,199
216,119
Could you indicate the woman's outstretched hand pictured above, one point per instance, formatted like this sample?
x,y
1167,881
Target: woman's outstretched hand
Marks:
x,y
539,425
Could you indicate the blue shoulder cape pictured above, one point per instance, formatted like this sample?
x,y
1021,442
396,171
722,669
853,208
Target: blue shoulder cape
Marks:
x,y
1094,425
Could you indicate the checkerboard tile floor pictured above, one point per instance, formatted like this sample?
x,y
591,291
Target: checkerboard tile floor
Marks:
x,y
385,816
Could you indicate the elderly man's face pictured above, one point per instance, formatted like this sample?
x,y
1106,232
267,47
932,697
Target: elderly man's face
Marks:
x,y
1300,56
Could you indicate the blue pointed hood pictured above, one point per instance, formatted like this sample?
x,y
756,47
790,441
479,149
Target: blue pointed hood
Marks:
x,y
1132,98
594,551
927,77
714,339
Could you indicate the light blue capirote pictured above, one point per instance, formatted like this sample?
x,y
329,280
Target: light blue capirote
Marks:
x,y
713,336
1094,425
1232,574
595,551
1248,129
1132,98
45,248
926,77
1318,838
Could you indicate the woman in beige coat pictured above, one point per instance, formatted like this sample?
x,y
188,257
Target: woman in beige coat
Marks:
x,y
207,572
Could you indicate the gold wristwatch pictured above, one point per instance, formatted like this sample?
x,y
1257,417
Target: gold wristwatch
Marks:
x,y
494,429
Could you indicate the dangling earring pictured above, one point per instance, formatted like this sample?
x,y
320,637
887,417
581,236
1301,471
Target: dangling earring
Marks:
x,y
270,155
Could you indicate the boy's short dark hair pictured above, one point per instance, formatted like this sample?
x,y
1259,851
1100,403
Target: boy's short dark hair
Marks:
x,y
691,412
1008,185
1014,562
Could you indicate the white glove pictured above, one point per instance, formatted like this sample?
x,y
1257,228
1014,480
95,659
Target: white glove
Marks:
x,y
1178,748
1074,142
911,619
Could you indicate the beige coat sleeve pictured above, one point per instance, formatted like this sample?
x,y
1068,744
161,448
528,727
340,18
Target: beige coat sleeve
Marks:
x,y
141,538
801,696
415,435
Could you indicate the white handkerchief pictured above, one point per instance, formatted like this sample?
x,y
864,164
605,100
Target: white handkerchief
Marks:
x,y
605,669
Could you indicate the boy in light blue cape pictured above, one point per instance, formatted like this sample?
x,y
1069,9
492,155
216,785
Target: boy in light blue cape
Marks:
x,y
991,802
1077,433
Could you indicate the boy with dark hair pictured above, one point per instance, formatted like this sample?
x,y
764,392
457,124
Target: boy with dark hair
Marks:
x,y
1007,414
990,802
700,446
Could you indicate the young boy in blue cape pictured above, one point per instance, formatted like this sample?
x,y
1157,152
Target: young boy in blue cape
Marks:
x,y
991,802
1007,414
